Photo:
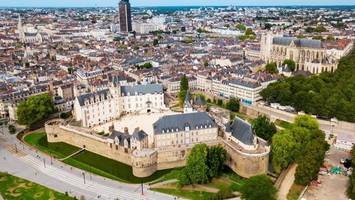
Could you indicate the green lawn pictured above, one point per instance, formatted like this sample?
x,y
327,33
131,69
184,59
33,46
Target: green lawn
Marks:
x,y
89,161
295,192
227,183
193,195
283,124
13,188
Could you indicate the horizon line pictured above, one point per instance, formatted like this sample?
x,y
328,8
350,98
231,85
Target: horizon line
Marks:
x,y
148,6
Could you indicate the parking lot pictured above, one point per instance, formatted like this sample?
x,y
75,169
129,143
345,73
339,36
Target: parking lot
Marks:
x,y
333,186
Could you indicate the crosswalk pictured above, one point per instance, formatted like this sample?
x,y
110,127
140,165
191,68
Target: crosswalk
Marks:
x,y
105,192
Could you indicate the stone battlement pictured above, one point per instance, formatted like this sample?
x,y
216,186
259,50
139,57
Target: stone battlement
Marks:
x,y
147,161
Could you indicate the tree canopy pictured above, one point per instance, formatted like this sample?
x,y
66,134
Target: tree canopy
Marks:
x,y
233,104
184,87
271,68
258,187
303,143
291,65
203,164
326,95
263,127
35,109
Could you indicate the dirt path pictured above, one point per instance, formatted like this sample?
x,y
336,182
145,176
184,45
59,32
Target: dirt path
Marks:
x,y
287,183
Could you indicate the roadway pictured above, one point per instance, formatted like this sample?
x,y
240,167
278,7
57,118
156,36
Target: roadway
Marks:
x,y
22,161
336,128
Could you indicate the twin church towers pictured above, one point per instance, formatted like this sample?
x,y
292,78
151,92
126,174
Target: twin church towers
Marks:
x,y
124,10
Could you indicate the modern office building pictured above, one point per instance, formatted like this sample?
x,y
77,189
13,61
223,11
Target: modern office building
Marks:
x,y
124,9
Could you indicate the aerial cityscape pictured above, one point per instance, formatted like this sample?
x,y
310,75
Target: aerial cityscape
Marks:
x,y
158,100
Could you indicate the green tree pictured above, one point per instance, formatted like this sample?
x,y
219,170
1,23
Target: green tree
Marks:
x,y
233,104
183,178
241,27
271,68
311,161
282,148
35,109
155,42
291,65
196,165
249,31
184,83
307,121
12,129
258,187
184,87
264,128
215,160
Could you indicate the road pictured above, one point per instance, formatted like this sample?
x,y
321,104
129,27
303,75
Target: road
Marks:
x,y
22,161
327,126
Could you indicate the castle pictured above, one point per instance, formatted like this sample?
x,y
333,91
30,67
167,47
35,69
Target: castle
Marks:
x,y
166,140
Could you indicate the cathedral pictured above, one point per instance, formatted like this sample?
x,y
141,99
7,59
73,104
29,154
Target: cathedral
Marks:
x,y
314,56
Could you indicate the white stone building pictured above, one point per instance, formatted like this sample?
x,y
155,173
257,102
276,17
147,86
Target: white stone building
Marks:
x,y
105,105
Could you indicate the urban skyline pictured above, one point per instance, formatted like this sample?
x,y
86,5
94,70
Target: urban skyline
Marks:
x,y
141,3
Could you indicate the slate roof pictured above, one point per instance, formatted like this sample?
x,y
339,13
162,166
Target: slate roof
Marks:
x,y
121,136
244,83
139,135
83,97
176,123
298,42
199,101
141,89
241,130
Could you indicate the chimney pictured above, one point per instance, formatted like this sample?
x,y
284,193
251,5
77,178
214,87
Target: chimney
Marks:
x,y
126,130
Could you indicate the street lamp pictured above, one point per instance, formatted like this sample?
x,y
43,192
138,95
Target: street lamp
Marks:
x,y
83,177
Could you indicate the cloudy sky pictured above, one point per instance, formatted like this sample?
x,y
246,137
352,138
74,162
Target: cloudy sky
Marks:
x,y
103,3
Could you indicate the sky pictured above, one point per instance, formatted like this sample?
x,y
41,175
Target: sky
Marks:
x,y
110,3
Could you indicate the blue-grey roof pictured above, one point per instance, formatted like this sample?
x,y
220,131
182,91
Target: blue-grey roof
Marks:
x,y
141,89
244,83
177,123
283,40
199,101
139,135
83,97
121,136
241,130
298,42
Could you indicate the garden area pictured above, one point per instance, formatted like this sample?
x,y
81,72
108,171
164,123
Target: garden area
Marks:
x,y
12,187
88,161
227,185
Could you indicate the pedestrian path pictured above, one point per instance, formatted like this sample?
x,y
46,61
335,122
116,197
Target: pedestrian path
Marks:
x,y
105,192
71,155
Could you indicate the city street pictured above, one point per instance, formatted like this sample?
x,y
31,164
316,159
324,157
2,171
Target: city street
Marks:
x,y
19,160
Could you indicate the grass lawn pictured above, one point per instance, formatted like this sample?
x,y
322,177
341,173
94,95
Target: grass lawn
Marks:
x,y
89,161
295,192
193,195
227,183
283,124
12,187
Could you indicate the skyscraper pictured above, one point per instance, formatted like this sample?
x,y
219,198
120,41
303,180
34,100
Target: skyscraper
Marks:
x,y
124,8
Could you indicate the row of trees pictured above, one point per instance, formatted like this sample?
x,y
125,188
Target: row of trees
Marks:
x,y
304,144
327,95
35,109
351,189
203,164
